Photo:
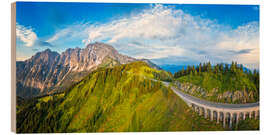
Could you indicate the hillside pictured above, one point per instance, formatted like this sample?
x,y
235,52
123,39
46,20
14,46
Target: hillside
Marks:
x,y
48,72
122,98
219,83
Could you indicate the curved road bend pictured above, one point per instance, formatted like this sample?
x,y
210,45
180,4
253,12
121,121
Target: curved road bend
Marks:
x,y
211,104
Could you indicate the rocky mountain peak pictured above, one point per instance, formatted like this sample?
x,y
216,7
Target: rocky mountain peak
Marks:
x,y
48,70
48,52
101,47
46,56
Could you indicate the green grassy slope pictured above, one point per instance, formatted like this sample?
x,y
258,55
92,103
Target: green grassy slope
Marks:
x,y
248,124
216,83
222,83
73,77
123,98
229,85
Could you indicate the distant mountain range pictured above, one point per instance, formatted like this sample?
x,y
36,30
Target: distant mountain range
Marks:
x,y
96,89
48,71
175,68
123,98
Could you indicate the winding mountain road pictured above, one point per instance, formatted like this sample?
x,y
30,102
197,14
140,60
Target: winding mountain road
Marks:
x,y
229,114
190,98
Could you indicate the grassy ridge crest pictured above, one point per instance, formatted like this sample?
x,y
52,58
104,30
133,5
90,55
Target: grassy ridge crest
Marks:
x,y
122,98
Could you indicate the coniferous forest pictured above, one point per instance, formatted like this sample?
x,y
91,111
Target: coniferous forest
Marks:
x,y
122,98
135,67
220,79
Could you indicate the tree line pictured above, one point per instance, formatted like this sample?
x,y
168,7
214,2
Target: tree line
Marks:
x,y
233,68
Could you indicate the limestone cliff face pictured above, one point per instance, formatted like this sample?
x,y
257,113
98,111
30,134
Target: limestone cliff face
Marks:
x,y
48,71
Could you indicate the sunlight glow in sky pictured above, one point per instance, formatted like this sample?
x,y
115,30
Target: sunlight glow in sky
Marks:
x,y
164,33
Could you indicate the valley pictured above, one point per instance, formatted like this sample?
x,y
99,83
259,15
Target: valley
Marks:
x,y
117,95
112,99
103,67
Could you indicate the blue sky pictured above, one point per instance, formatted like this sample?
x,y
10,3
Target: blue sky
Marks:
x,y
165,33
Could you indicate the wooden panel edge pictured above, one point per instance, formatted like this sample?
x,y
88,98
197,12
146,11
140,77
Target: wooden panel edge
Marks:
x,y
13,67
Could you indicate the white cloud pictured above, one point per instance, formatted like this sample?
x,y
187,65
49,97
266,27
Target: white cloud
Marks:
x,y
70,32
243,38
157,23
26,35
162,32
158,51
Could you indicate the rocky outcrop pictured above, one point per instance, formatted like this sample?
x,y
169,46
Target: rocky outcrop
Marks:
x,y
238,96
192,89
48,71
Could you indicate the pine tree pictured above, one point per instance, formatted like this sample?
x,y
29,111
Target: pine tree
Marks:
x,y
193,69
226,67
183,71
241,68
188,70
200,68
209,68
221,68
233,67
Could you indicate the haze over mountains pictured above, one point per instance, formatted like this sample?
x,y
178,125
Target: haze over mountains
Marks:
x,y
96,89
125,98
49,71
175,68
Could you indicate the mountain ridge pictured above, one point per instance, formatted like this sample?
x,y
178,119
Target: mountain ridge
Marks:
x,y
118,99
175,68
48,71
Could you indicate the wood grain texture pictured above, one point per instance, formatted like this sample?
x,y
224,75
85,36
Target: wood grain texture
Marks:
x,y
13,67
